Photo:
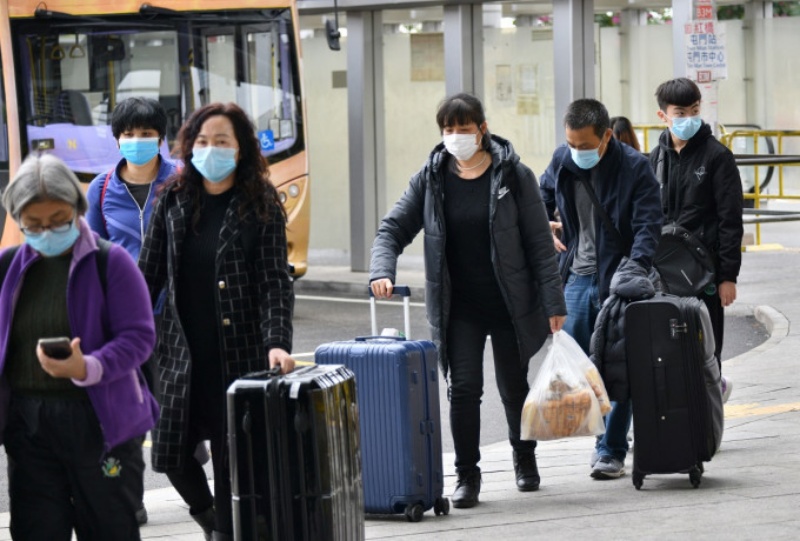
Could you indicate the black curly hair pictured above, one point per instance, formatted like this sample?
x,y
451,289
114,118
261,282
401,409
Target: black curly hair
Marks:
x,y
252,170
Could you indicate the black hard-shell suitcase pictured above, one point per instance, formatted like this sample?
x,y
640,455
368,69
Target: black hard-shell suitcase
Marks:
x,y
295,456
675,386
401,438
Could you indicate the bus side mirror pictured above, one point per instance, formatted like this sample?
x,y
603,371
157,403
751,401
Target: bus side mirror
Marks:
x,y
332,34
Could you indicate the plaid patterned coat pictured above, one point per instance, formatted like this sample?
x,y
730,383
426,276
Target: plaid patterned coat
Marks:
x,y
254,308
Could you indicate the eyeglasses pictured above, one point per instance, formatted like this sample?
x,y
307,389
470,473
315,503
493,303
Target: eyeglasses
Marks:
x,y
36,230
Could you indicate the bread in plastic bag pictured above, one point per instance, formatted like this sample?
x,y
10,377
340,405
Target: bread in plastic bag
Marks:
x,y
567,397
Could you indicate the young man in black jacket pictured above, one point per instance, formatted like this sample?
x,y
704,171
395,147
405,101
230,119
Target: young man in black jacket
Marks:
x,y
701,190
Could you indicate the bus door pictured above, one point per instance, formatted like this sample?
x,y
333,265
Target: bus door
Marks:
x,y
251,65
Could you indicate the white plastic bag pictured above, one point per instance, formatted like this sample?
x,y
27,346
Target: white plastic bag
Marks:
x,y
567,397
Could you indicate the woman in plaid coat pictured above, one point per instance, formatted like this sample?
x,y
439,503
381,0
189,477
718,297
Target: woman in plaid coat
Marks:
x,y
217,243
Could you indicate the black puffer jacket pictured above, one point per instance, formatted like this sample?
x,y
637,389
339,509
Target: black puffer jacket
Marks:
x,y
708,199
630,283
522,249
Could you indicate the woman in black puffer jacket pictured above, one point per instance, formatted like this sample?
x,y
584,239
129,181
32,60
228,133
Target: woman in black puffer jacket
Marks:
x,y
490,271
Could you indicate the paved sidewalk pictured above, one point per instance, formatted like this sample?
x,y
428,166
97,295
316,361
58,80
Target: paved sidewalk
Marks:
x,y
749,491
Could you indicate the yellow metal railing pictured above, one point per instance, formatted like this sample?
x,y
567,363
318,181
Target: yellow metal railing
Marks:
x,y
777,160
647,138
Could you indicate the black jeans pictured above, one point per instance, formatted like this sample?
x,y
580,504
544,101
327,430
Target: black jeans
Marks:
x,y
717,313
207,423
466,338
59,478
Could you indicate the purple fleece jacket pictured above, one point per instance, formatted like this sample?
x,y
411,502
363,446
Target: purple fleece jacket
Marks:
x,y
117,334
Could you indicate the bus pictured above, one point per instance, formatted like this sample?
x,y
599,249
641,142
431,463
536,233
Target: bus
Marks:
x,y
67,63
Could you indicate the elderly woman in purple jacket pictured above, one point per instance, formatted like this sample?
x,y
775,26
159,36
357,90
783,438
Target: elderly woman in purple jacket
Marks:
x,y
73,426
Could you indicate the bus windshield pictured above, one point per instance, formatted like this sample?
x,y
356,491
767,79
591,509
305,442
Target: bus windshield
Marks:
x,y
72,73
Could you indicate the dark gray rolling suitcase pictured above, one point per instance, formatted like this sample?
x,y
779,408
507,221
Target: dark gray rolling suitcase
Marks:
x,y
295,456
675,386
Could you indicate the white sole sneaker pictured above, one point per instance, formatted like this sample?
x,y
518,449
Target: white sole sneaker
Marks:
x,y
727,387
608,469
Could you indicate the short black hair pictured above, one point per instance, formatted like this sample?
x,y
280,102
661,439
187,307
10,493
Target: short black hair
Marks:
x,y
587,112
462,109
139,112
682,92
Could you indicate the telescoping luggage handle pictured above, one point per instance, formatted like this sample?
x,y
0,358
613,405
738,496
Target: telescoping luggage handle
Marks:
x,y
405,291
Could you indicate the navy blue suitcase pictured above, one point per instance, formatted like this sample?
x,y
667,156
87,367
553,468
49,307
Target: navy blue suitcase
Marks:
x,y
397,384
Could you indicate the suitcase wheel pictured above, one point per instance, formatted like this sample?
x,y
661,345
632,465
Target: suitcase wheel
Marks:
x,y
695,475
638,480
414,512
441,506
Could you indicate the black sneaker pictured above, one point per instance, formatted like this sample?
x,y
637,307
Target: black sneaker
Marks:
x,y
527,473
467,490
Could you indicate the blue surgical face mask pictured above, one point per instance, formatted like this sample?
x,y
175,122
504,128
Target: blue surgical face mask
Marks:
x,y
586,159
685,127
214,163
139,150
51,243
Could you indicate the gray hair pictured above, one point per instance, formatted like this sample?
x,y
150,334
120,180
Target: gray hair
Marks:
x,y
43,177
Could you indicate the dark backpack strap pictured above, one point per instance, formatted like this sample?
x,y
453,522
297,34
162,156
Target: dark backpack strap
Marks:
x,y
103,248
103,198
5,261
604,217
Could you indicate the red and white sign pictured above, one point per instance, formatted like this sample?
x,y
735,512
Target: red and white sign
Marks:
x,y
704,10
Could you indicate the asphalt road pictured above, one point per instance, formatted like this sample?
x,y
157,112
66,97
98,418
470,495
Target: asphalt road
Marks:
x,y
319,320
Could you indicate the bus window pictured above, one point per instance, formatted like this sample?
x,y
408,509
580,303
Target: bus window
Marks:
x,y
72,71
219,81
72,76
254,66
271,98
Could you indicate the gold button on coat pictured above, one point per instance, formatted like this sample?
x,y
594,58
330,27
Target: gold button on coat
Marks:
x,y
226,322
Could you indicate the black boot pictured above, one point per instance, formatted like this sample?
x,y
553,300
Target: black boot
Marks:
x,y
206,521
219,536
467,490
526,471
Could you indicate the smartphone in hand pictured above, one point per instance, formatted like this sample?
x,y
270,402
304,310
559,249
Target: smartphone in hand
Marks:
x,y
57,348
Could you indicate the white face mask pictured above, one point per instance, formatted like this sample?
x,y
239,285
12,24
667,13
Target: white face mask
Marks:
x,y
461,145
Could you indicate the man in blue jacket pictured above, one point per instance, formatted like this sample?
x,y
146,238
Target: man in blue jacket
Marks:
x,y
590,252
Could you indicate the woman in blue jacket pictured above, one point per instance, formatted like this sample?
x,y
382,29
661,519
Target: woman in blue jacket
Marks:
x,y
73,427
121,200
